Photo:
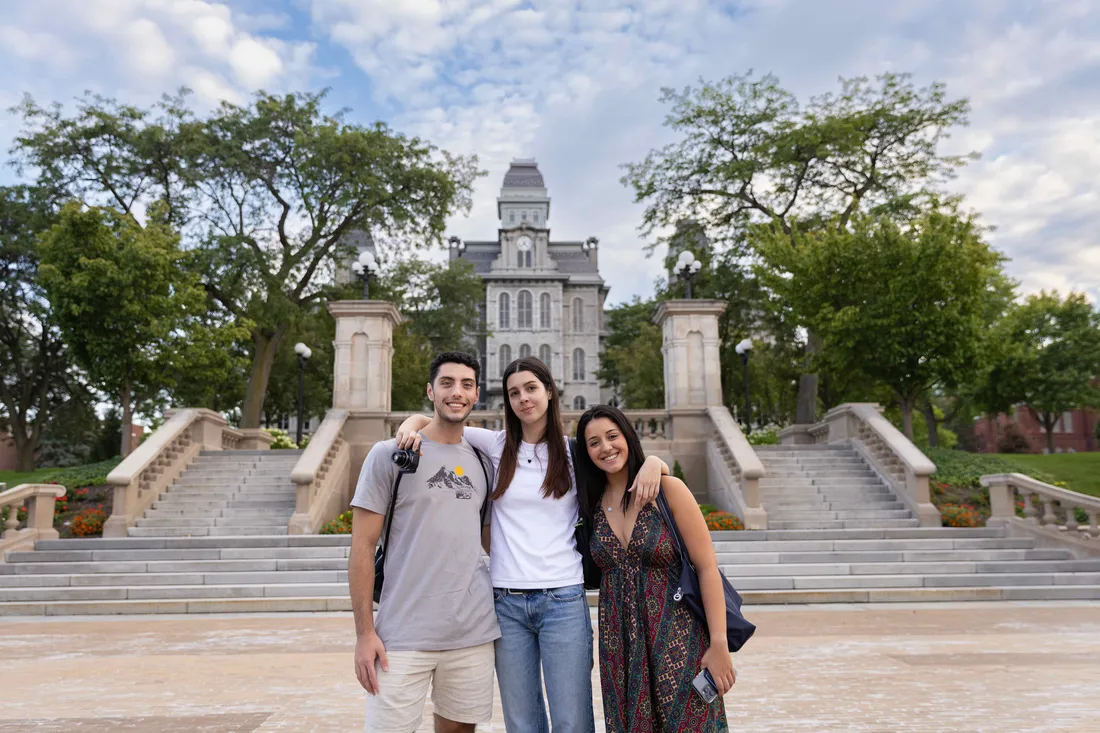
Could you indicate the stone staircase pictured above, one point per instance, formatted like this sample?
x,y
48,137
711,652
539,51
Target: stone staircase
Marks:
x,y
826,487
226,494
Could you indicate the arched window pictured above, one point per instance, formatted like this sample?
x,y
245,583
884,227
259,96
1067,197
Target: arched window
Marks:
x,y
544,354
511,217
524,351
505,357
523,309
505,316
578,403
578,365
544,310
578,315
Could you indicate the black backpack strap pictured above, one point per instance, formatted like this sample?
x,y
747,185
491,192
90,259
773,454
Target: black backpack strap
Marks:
x,y
488,483
389,519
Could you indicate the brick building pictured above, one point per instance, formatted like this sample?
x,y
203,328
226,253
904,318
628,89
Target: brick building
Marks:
x,y
1075,431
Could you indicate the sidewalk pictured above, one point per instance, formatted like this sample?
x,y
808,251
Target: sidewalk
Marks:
x,y
861,669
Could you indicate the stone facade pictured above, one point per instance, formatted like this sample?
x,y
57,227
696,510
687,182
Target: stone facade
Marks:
x,y
542,297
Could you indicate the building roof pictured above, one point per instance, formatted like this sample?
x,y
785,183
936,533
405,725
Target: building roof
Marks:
x,y
524,173
570,258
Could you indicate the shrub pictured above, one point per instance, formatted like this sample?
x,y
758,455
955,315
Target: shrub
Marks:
x,y
956,468
20,515
1012,440
707,509
93,474
340,525
763,437
282,439
721,521
89,523
955,515
678,471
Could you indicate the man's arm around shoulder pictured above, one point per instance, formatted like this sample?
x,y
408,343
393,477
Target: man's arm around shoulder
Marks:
x,y
366,528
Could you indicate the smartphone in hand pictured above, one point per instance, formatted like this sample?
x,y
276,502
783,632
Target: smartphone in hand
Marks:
x,y
705,687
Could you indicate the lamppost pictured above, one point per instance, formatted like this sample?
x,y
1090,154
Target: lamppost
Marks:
x,y
687,267
303,353
589,245
457,245
365,268
743,350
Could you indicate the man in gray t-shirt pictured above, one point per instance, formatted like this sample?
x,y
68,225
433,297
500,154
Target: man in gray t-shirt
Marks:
x,y
435,621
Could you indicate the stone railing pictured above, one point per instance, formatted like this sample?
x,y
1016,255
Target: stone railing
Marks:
x,y
322,477
732,463
39,500
157,462
1063,510
650,424
257,439
893,456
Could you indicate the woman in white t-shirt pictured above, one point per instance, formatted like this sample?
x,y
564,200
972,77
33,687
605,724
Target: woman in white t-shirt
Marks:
x,y
535,566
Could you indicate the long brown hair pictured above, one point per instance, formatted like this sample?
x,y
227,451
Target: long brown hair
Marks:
x,y
558,479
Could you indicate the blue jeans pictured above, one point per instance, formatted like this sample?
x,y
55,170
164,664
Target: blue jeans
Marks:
x,y
551,627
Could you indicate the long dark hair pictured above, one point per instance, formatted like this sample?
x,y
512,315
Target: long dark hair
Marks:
x,y
591,480
557,481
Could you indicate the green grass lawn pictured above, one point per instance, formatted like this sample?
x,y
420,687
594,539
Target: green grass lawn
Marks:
x,y
14,478
1080,471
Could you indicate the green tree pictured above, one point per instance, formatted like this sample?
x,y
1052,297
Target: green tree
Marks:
x,y
1047,356
263,195
630,326
750,154
440,304
122,298
316,329
904,305
37,380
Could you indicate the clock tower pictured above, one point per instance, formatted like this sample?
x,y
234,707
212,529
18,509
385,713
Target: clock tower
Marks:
x,y
523,198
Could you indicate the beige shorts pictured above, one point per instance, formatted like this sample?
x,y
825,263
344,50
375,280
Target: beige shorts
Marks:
x,y
461,682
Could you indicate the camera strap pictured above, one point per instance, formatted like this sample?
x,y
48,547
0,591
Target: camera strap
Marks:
x,y
488,485
389,519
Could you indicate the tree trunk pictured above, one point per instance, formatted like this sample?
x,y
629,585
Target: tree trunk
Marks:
x,y
930,421
806,412
127,420
25,448
906,416
1048,426
265,347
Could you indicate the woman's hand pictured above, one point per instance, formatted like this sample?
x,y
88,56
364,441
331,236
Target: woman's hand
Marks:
x,y
647,484
408,434
720,664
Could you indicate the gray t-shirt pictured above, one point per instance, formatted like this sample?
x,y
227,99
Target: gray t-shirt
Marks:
x,y
437,595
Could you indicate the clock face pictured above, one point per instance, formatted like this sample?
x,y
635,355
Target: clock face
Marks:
x,y
524,243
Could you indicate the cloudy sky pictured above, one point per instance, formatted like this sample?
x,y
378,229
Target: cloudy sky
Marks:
x,y
574,83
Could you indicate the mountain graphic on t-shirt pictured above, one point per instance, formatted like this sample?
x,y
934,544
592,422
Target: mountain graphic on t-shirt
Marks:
x,y
455,480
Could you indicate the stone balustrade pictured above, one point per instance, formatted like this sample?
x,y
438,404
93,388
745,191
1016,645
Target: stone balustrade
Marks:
x,y
733,464
156,463
893,456
322,477
649,424
1061,509
39,501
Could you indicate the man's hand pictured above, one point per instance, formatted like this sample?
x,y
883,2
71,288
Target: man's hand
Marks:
x,y
368,651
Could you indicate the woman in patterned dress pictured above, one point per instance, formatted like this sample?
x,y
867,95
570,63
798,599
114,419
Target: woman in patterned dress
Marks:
x,y
651,646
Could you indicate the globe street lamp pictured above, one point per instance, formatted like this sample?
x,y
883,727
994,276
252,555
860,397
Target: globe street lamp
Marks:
x,y
743,350
365,268
687,267
457,245
303,353
589,245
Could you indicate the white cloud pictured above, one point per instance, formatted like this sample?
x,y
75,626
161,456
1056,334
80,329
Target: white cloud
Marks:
x,y
139,49
575,84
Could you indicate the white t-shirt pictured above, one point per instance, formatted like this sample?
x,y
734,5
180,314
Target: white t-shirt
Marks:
x,y
532,535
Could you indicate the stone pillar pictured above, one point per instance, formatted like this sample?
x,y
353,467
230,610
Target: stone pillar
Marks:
x,y
362,372
362,377
693,379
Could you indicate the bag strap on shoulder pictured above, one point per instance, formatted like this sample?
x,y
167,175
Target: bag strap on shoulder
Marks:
x,y
670,521
389,519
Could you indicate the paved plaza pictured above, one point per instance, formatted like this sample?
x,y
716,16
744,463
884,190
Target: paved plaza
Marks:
x,y
873,668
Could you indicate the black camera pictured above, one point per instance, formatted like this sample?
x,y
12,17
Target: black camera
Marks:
x,y
407,461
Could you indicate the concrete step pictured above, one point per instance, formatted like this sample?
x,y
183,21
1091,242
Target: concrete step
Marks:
x,y
793,515
875,502
880,533
180,554
204,531
158,521
929,544
171,543
961,558
126,567
845,524
909,581
914,564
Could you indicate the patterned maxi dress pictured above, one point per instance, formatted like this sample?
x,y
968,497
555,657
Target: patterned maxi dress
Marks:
x,y
650,645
